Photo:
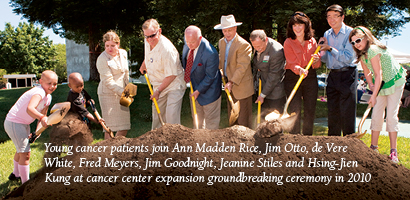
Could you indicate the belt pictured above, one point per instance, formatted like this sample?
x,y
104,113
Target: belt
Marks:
x,y
343,69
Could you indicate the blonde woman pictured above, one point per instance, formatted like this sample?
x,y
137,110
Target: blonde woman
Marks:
x,y
379,65
112,65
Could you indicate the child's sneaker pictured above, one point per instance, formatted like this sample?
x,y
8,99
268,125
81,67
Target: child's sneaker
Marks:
x,y
13,177
393,157
374,148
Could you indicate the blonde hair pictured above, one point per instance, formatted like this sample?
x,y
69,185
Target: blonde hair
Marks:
x,y
149,23
111,36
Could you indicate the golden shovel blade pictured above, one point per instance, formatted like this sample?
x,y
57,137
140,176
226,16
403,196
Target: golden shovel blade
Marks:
x,y
276,115
234,112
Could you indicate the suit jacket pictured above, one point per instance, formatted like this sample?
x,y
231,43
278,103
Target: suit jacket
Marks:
x,y
271,64
113,76
205,76
238,66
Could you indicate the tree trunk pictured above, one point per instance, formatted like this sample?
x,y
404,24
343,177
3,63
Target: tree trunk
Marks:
x,y
95,51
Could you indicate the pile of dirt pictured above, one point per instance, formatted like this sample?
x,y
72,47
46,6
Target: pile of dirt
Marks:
x,y
374,177
70,131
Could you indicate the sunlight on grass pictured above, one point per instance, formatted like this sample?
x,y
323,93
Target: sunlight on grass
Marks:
x,y
403,147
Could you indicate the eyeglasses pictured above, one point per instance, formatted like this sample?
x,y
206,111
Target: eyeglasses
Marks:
x,y
298,13
151,36
357,41
333,17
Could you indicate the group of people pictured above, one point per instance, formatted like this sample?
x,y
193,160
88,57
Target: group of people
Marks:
x,y
278,67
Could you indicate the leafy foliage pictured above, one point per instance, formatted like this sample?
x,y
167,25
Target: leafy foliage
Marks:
x,y
25,50
87,21
61,64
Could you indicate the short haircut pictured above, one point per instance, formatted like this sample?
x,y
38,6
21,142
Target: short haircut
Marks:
x,y
111,36
299,18
335,8
258,33
150,22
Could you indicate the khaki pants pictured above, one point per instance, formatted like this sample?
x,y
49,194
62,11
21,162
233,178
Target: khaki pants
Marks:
x,y
169,105
209,115
391,104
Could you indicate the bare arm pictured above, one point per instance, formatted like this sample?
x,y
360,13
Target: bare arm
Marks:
x,y
31,110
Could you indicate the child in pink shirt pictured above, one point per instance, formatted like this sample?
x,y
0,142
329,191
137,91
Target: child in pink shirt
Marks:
x,y
32,105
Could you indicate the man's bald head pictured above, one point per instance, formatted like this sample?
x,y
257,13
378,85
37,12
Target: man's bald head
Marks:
x,y
193,37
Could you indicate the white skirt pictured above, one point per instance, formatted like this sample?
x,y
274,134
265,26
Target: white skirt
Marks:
x,y
116,116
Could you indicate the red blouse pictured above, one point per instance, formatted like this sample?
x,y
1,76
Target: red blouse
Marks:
x,y
298,55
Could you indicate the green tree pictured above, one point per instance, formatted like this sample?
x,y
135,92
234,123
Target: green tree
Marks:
x,y
85,21
25,50
61,65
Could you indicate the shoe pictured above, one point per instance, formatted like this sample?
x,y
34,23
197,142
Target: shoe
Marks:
x,y
13,177
374,148
393,157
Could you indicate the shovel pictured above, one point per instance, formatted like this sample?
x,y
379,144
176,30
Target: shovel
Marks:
x,y
235,107
153,99
97,115
259,103
57,113
127,96
292,94
366,113
194,106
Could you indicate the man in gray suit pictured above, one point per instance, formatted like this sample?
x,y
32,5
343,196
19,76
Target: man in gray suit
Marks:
x,y
269,60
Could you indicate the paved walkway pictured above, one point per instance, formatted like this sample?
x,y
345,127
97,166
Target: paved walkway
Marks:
x,y
404,126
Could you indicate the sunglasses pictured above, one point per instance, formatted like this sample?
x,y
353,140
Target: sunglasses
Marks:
x,y
151,36
357,41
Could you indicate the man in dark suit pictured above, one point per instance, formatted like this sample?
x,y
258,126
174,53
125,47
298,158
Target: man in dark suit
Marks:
x,y
269,60
201,63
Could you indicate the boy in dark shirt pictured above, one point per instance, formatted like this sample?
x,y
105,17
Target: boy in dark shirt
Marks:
x,y
79,98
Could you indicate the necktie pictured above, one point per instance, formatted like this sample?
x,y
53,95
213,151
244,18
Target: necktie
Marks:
x,y
189,62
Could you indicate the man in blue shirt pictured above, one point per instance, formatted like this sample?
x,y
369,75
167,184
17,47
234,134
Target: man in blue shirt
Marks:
x,y
338,54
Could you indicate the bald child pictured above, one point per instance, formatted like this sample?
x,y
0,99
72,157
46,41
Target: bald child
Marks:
x,y
79,98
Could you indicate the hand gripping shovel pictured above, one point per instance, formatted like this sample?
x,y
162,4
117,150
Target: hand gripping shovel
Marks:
x,y
57,113
97,115
366,113
153,99
292,94
235,107
194,106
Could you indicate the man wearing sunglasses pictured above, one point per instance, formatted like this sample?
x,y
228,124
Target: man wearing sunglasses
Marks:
x,y
338,54
165,72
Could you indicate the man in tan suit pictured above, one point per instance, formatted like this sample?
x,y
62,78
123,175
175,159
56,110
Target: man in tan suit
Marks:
x,y
235,62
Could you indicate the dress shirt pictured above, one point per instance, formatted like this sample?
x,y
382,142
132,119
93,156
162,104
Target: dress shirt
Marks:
x,y
342,53
298,55
228,46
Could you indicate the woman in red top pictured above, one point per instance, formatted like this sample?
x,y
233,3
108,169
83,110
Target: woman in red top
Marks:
x,y
299,47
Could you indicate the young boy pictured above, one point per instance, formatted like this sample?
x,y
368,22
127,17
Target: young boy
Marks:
x,y
32,105
79,98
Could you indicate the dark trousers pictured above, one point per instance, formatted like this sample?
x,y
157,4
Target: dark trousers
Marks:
x,y
341,102
307,93
270,105
245,112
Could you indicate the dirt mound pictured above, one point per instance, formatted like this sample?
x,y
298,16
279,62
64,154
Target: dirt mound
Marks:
x,y
289,171
70,131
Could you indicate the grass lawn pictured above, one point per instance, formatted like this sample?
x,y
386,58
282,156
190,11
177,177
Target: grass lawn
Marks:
x,y
141,123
